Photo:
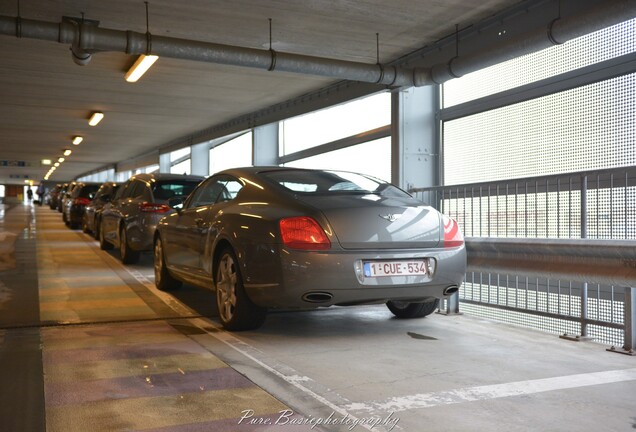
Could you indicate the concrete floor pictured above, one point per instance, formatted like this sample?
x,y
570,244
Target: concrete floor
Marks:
x,y
88,344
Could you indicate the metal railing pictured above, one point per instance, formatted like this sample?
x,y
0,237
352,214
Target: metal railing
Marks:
x,y
544,215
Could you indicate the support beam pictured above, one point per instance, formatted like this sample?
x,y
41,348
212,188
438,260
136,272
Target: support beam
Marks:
x,y
200,159
415,137
265,145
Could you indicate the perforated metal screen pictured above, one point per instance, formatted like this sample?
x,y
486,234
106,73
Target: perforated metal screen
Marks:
x,y
584,51
585,128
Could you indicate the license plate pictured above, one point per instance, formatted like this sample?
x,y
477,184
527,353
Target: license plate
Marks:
x,y
395,268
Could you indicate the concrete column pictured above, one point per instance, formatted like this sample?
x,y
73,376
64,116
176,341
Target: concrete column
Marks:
x,y
200,159
416,142
164,163
265,145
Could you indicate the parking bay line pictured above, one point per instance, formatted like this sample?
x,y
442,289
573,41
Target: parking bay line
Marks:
x,y
400,403
282,371
495,391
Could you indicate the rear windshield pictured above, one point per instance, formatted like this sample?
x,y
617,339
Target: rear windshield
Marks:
x,y
332,182
164,190
88,191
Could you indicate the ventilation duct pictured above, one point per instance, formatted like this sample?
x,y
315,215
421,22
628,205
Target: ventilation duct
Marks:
x,y
86,39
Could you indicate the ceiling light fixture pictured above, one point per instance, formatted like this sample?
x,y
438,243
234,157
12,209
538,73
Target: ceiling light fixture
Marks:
x,y
46,161
60,159
67,152
77,140
95,118
56,164
140,67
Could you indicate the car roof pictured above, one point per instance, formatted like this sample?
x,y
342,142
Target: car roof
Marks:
x,y
261,169
166,176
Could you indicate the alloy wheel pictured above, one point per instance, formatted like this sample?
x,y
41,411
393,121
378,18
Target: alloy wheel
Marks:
x,y
158,262
226,287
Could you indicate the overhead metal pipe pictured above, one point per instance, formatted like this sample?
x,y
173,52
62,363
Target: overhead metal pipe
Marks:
x,y
86,39
561,30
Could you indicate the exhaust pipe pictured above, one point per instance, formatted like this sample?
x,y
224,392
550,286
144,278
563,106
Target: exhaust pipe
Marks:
x,y
317,297
451,290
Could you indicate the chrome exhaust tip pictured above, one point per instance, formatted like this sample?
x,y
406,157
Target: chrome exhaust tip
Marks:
x,y
317,297
451,289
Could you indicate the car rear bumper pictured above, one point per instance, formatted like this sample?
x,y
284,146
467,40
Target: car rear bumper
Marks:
x,y
314,279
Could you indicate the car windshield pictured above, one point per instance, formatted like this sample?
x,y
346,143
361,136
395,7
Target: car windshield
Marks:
x,y
166,189
332,182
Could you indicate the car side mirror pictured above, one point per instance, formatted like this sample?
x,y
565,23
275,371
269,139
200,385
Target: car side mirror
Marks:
x,y
176,203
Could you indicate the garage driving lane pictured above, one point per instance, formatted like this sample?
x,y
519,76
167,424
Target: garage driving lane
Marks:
x,y
160,355
101,351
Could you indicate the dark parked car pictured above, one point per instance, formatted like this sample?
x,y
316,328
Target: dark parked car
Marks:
x,y
292,238
92,214
74,206
130,220
53,196
62,195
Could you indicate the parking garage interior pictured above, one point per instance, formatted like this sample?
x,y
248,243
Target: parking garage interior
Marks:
x,y
517,119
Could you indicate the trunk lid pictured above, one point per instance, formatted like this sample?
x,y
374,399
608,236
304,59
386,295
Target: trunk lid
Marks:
x,y
371,221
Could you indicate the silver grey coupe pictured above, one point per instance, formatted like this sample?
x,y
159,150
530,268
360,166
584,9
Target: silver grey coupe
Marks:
x,y
272,237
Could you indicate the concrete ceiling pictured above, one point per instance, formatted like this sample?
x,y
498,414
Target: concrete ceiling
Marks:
x,y
46,99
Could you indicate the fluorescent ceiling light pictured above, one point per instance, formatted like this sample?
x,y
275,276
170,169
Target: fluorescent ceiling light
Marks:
x,y
60,159
56,164
140,67
67,152
46,161
95,118
78,139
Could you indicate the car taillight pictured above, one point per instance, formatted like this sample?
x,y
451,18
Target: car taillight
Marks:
x,y
303,233
148,207
81,201
453,236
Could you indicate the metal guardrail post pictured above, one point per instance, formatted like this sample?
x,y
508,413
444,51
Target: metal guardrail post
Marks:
x,y
452,305
584,292
629,346
630,320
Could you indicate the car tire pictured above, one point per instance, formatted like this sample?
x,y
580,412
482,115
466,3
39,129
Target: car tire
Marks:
x,y
236,310
71,223
64,219
103,243
127,255
412,310
163,279
96,227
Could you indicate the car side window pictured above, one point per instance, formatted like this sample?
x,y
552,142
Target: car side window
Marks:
x,y
120,193
216,189
138,190
230,189
203,195
126,190
206,194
